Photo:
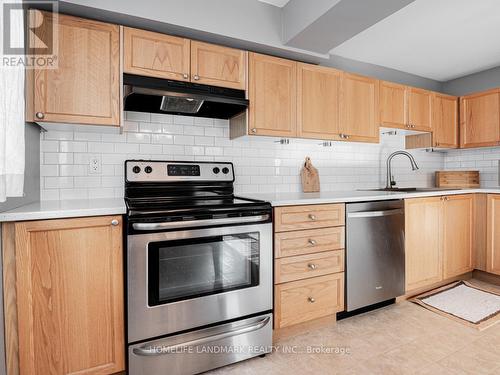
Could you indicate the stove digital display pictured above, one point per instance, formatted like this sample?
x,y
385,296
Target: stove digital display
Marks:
x,y
183,170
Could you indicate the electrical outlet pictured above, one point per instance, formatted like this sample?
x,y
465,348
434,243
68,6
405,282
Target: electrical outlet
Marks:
x,y
95,166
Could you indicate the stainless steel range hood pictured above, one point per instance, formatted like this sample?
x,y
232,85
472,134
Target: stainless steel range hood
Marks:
x,y
154,95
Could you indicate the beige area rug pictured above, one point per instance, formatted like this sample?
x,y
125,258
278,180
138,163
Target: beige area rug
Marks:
x,y
470,304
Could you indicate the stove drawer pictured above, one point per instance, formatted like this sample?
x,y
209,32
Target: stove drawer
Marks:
x,y
306,266
309,217
304,300
308,241
202,350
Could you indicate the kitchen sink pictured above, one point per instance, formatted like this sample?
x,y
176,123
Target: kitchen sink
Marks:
x,y
410,189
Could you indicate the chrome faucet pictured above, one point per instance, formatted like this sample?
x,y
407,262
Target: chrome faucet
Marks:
x,y
390,178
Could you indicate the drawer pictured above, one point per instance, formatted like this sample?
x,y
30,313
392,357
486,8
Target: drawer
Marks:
x,y
302,242
304,300
309,217
306,266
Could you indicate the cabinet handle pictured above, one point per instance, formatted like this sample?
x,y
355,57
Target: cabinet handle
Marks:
x,y
412,126
312,266
39,115
196,77
185,76
311,299
312,217
346,136
114,222
312,242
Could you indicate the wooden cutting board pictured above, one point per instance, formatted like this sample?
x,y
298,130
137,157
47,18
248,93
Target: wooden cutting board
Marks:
x,y
457,179
309,177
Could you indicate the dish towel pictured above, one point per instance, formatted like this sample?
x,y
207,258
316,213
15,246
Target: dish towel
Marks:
x,y
12,122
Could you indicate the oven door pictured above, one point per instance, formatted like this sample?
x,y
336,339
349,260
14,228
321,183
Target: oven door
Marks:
x,y
186,279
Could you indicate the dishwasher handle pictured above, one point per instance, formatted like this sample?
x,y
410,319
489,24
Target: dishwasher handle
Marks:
x,y
398,211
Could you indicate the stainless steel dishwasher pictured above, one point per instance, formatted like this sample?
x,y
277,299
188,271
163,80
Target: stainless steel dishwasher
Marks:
x,y
375,255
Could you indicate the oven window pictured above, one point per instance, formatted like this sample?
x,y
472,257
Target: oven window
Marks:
x,y
184,269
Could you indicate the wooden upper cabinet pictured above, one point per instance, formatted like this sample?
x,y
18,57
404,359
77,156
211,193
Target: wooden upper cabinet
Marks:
x,y
317,102
70,304
272,91
156,55
359,109
445,121
419,109
393,105
493,236
480,119
84,88
458,231
423,241
218,66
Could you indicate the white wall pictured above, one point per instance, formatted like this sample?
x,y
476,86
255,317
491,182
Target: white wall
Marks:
x,y
261,164
485,160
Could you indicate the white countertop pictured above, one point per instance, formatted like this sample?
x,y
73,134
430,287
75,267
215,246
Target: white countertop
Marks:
x,y
64,209
291,199
99,207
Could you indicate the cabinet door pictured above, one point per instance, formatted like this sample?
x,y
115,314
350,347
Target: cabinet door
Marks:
x,y
458,234
493,246
70,296
419,109
480,119
359,108
393,105
272,92
445,121
423,241
85,86
218,66
156,55
318,102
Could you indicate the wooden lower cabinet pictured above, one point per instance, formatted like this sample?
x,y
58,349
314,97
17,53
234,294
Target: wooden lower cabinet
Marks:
x,y
304,300
458,229
308,217
309,260
493,234
423,241
439,234
64,307
306,266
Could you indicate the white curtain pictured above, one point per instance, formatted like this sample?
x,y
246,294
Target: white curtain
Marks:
x,y
12,118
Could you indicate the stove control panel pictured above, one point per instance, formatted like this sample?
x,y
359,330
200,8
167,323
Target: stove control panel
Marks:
x,y
158,171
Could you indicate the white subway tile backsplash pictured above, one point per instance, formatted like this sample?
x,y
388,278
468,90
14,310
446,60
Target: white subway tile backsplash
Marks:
x,y
73,170
261,164
138,138
485,160
57,182
57,158
161,118
150,127
184,140
70,146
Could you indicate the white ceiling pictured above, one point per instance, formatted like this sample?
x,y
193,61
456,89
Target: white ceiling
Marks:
x,y
278,3
438,39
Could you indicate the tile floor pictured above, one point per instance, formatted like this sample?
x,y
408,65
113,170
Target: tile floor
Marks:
x,y
398,339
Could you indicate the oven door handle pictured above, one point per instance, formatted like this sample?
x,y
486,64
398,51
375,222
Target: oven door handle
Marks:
x,y
198,223
158,350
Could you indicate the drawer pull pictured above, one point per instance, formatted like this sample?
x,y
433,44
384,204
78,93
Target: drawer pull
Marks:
x,y
311,299
312,266
312,242
312,217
